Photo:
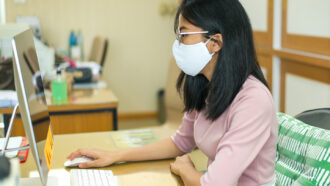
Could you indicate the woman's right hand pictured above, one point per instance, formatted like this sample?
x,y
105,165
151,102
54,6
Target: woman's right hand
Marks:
x,y
101,158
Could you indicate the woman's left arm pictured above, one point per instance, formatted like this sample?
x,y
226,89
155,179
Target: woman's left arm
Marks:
x,y
184,168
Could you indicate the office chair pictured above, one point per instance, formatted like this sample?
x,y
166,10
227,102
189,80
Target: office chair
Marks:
x,y
316,117
99,50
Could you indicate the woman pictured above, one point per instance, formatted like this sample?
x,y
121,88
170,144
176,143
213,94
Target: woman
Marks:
x,y
229,112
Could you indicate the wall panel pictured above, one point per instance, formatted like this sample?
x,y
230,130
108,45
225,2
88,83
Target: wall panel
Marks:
x,y
303,87
313,22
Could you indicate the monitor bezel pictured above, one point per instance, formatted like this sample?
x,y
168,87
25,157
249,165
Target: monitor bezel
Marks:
x,y
25,111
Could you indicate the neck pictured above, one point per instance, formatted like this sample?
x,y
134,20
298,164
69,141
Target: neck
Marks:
x,y
209,68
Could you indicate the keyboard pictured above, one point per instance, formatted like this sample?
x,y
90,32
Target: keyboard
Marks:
x,y
14,142
92,177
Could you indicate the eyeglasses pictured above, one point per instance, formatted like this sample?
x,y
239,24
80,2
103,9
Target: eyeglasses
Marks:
x,y
180,35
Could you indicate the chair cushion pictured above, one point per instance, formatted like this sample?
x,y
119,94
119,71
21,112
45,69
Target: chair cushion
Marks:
x,y
303,153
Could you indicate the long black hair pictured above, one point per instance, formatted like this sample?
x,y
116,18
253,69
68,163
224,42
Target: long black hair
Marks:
x,y
236,60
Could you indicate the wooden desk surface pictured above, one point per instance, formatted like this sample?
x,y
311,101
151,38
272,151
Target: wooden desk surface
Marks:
x,y
81,99
137,173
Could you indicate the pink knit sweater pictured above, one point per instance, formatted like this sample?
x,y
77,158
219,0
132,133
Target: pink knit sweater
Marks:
x,y
240,144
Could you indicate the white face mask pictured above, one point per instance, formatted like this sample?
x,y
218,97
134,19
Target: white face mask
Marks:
x,y
191,59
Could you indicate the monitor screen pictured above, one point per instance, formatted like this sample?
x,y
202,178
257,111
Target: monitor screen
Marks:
x,y
32,102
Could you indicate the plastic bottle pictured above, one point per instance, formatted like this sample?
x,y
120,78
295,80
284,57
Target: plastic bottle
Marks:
x,y
59,89
80,42
72,41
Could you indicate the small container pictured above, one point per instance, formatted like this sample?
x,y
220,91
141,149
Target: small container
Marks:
x,y
59,89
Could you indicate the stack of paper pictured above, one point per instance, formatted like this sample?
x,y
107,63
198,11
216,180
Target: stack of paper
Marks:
x,y
133,138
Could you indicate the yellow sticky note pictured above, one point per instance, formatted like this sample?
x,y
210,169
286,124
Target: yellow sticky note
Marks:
x,y
48,150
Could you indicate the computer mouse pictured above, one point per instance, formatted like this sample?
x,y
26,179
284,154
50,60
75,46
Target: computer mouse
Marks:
x,y
75,162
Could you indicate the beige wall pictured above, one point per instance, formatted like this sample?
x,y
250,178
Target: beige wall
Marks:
x,y
140,41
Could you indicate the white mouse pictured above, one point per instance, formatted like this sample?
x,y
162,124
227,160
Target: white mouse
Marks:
x,y
75,162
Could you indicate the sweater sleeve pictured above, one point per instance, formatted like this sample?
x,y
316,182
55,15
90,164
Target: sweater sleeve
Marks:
x,y
249,128
184,136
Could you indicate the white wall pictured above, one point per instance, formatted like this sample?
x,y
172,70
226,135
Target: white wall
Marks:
x,y
304,94
2,12
258,13
309,17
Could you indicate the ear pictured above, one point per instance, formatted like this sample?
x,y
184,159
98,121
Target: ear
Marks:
x,y
216,43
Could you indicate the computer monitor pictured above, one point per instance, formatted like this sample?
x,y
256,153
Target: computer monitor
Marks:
x,y
32,102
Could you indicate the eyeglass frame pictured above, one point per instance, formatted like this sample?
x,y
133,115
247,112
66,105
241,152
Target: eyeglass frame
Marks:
x,y
180,34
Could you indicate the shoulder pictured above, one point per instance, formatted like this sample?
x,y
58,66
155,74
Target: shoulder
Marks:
x,y
252,106
253,95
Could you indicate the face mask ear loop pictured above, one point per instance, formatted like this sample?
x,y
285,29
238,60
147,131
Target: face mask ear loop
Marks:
x,y
178,42
208,41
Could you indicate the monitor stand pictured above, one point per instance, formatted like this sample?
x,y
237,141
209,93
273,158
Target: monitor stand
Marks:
x,y
35,181
51,181
4,147
13,116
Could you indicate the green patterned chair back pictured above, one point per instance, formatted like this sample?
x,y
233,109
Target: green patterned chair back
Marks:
x,y
303,153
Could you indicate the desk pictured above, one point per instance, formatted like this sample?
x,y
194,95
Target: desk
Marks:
x,y
138,173
87,110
